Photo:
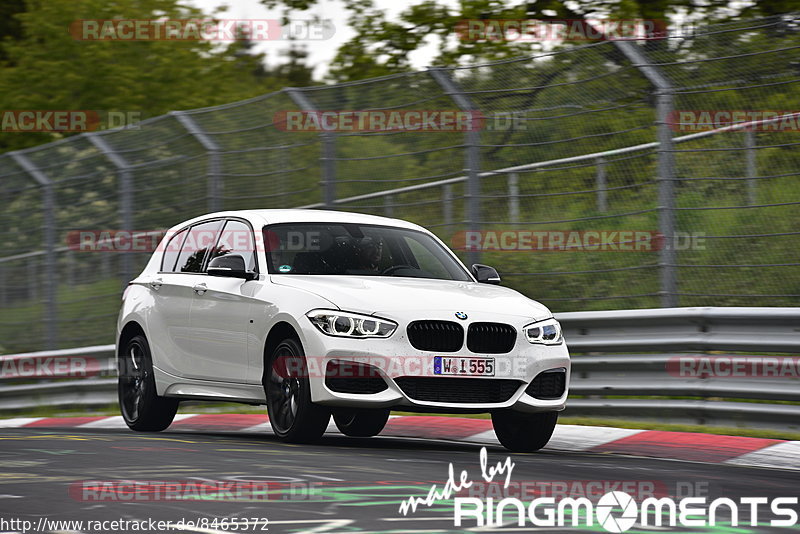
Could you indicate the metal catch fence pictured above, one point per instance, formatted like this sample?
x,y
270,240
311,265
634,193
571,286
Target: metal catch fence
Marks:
x,y
609,139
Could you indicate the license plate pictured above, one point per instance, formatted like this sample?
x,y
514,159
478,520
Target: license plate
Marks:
x,y
445,365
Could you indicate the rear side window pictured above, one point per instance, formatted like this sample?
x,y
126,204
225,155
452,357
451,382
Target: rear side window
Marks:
x,y
172,251
197,246
237,238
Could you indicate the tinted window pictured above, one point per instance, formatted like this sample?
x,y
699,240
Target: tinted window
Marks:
x,y
355,249
199,241
427,260
237,238
172,251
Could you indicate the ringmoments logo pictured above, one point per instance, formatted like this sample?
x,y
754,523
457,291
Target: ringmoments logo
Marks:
x,y
615,511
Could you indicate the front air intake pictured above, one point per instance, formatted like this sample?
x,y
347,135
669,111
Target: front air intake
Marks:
x,y
458,390
352,377
548,385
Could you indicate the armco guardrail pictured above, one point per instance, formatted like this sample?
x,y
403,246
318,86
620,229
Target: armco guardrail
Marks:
x,y
57,380
681,329
646,385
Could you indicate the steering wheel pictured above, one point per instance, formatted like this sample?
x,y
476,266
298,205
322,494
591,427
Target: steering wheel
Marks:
x,y
394,268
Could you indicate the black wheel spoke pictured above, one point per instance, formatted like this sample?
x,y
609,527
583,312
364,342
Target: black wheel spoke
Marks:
x,y
141,406
284,415
283,388
133,382
293,416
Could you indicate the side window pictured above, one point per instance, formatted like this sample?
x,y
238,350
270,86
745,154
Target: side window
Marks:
x,y
198,244
237,238
171,252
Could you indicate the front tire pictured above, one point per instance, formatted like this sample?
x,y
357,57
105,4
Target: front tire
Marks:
x,y
142,409
361,423
292,415
524,432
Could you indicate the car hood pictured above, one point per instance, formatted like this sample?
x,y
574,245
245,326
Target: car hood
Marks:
x,y
372,294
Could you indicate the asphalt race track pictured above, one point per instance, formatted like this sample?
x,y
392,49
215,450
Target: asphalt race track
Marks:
x,y
356,485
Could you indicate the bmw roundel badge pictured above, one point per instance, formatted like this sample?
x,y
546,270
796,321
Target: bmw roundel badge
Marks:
x,y
461,315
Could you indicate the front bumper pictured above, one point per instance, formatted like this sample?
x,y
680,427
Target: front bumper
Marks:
x,y
395,358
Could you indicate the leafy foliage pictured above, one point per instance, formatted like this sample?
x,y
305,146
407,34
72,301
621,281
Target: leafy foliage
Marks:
x,y
44,67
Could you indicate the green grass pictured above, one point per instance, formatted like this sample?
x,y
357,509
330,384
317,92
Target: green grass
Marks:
x,y
87,316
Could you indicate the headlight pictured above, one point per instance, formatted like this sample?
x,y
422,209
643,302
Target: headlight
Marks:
x,y
344,324
546,332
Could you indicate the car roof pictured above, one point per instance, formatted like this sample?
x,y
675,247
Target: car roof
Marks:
x,y
296,215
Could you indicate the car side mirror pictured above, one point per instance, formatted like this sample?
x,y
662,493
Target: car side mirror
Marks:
x,y
230,266
485,274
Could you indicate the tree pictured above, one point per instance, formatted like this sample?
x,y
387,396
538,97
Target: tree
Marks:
x,y
10,27
42,67
383,47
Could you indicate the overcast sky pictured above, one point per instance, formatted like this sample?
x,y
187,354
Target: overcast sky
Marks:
x,y
320,52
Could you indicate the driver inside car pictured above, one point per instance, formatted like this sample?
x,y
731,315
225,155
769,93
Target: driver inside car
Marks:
x,y
370,254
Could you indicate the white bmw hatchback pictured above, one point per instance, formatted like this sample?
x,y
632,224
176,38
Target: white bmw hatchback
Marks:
x,y
319,314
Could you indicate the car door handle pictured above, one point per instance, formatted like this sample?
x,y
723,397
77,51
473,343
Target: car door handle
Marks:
x,y
156,284
200,289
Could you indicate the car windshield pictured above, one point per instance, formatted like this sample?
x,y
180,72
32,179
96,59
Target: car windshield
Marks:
x,y
357,249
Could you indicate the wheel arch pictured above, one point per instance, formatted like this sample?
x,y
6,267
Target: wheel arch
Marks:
x,y
279,331
129,331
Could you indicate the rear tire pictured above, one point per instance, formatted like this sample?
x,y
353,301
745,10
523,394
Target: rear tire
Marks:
x,y
361,423
292,415
142,409
524,432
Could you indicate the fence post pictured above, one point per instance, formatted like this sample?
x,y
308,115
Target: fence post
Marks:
x,y
3,287
33,272
328,156
513,197
666,169
750,155
447,202
49,231
125,197
388,206
471,156
213,150
602,186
